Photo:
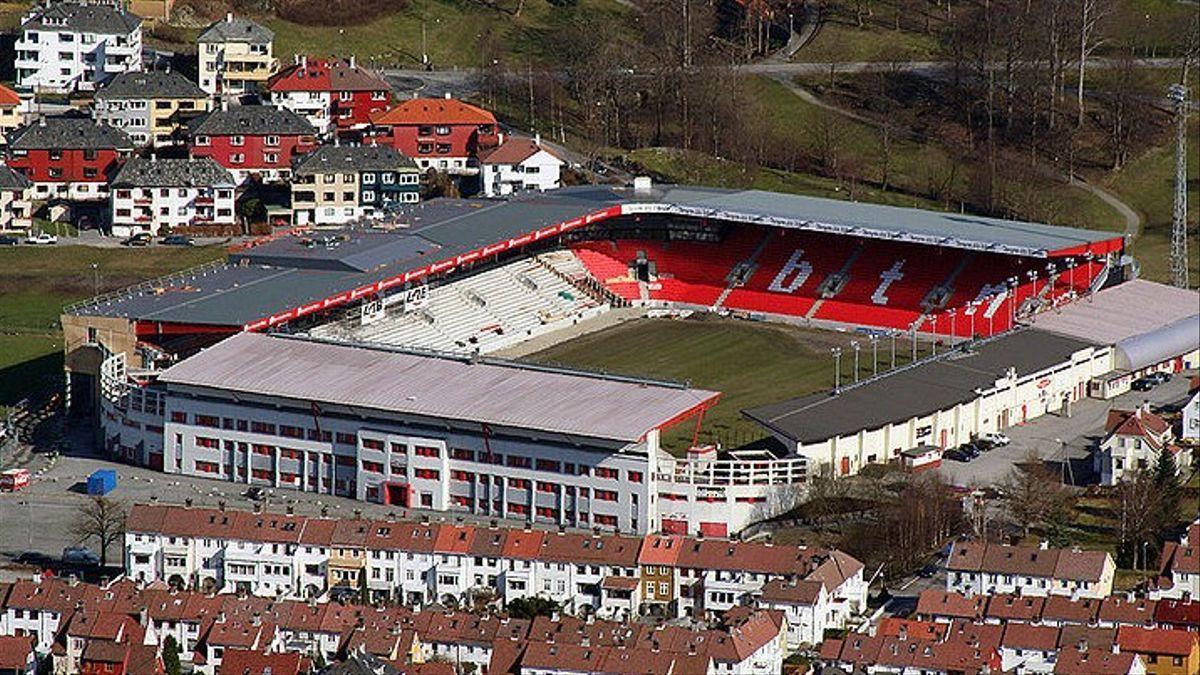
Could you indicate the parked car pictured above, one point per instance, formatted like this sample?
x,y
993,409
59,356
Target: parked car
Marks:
x,y
1161,377
80,556
256,493
956,455
996,438
1142,384
8,240
41,239
34,558
177,240
139,239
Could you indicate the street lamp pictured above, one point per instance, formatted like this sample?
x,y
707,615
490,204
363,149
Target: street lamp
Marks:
x,y
95,279
854,346
953,324
935,335
914,341
837,369
874,355
893,333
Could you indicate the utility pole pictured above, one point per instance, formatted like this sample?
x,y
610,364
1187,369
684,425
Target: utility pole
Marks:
x,y
1179,257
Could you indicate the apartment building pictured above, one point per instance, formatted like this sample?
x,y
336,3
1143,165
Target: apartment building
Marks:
x,y
68,157
252,140
988,569
278,555
66,47
16,210
153,195
519,165
333,95
438,133
235,56
339,184
154,108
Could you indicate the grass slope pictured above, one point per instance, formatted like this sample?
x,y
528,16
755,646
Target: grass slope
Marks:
x,y
749,363
36,282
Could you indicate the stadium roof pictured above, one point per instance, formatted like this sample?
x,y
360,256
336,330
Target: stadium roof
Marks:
x,y
483,392
292,277
916,391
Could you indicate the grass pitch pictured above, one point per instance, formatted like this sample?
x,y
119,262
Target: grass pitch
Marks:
x,y
750,363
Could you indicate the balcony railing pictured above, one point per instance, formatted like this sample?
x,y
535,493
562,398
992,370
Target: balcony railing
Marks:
x,y
705,472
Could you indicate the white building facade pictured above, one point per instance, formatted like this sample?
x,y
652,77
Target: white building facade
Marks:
x,y
69,47
153,196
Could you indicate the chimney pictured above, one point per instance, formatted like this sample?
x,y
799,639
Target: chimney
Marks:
x,y
537,139
303,61
352,61
642,184
447,96
229,17
220,504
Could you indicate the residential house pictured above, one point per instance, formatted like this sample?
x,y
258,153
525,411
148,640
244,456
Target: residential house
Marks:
x,y
1189,430
519,165
153,195
1165,651
334,95
1029,648
443,134
235,56
68,157
979,568
16,211
252,140
1181,614
153,108
250,662
1179,568
1132,442
11,115
339,184
67,46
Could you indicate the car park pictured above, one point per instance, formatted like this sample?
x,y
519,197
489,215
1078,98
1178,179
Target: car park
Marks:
x,y
41,239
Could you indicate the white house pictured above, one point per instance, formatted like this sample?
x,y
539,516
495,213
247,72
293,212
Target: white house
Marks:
x,y
235,56
1190,428
1179,568
149,195
67,47
1133,441
975,568
16,210
517,165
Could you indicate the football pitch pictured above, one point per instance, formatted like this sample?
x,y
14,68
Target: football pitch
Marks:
x,y
749,362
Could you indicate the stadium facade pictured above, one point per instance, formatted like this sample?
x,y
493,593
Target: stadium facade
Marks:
x,y
401,421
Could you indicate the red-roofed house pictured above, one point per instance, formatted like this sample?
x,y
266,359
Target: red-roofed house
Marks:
x,y
443,134
1166,652
1133,439
333,95
248,662
11,116
1184,614
1179,568
1028,648
519,165
17,656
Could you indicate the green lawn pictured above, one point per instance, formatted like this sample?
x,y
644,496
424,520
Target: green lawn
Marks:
x,y
750,363
36,282
842,40
454,32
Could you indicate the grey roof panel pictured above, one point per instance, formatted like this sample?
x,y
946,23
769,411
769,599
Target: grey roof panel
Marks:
x,y
92,18
236,29
333,158
433,387
250,120
1123,311
11,179
69,133
942,384
173,172
154,84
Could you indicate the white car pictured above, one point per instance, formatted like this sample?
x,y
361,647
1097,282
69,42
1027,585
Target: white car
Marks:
x,y
997,438
42,238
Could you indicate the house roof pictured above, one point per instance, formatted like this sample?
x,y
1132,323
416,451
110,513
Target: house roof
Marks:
x,y
1022,560
1137,422
81,18
15,652
1073,661
173,172
68,133
1178,613
156,84
912,629
1007,607
11,179
1077,565
447,111
436,388
1162,641
236,29
660,549
249,662
935,602
8,97
792,591
1127,610
336,158
250,120
514,150
327,75
1030,636
1059,608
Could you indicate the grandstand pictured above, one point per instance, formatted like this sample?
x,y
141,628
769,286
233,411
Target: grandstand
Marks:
x,y
484,312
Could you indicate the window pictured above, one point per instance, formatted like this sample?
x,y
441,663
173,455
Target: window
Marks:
x,y
207,467
422,451
604,472
89,155
519,483
273,141
379,96
368,179
425,148
463,454
368,196
262,428
206,442
549,465
389,178
428,474
519,462
635,476
202,140
606,495
271,157
237,158
237,140
206,421
443,148
372,444
373,467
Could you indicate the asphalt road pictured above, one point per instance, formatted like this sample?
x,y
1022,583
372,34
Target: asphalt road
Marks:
x,y
1042,436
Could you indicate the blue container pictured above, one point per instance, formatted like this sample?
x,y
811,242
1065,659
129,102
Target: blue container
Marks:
x,y
102,482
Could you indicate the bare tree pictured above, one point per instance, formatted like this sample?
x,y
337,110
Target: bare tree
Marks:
x,y
1034,496
100,519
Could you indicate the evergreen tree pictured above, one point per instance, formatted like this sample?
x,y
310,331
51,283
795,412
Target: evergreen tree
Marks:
x,y
170,656
1169,491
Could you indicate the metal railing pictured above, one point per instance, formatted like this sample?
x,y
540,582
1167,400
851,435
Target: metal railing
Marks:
x,y
149,285
734,472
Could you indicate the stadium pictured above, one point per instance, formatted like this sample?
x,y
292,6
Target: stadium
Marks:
x,y
365,361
